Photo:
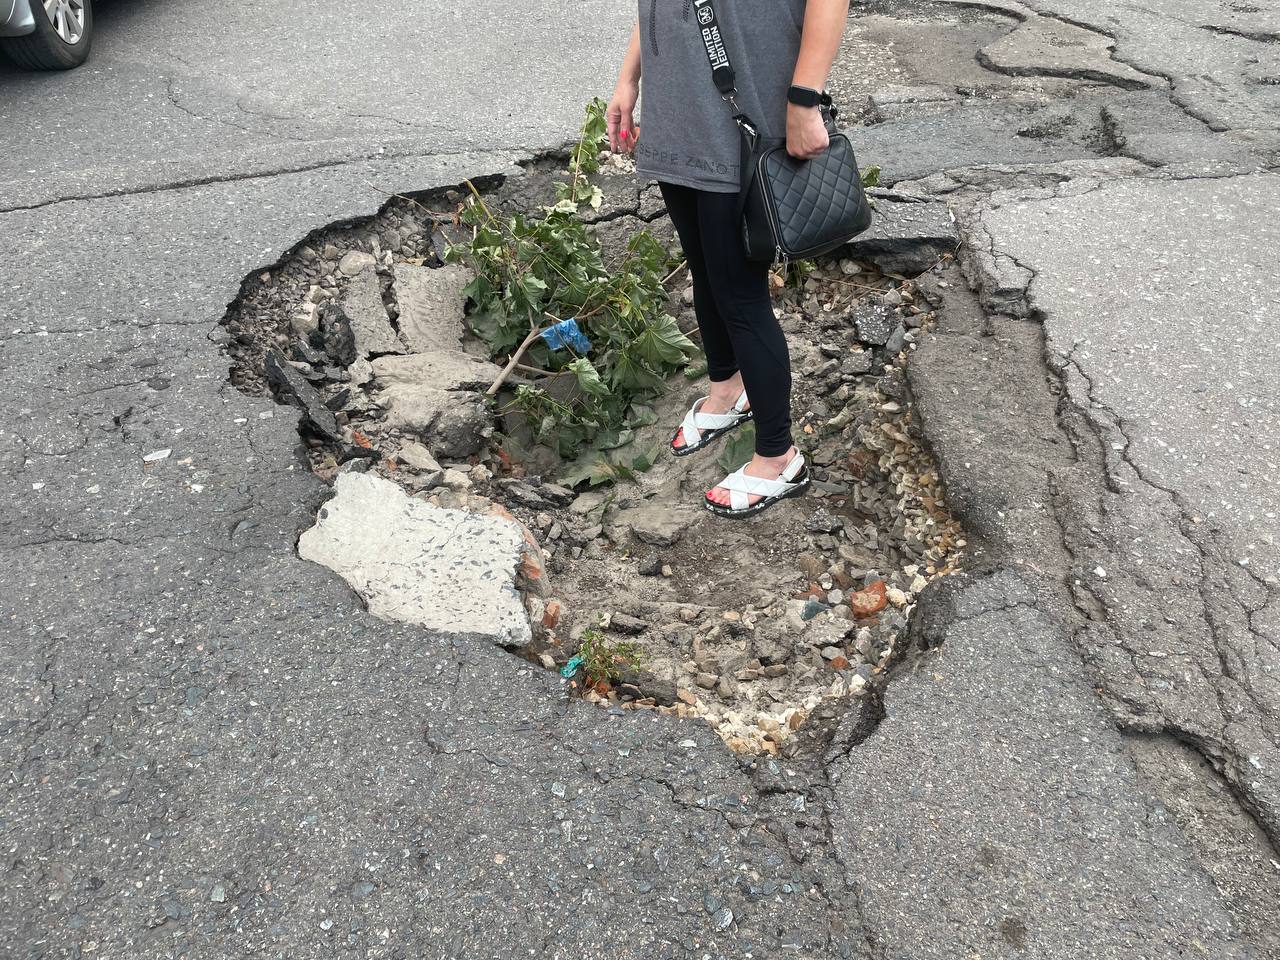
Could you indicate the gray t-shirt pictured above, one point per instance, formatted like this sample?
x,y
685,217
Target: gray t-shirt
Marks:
x,y
687,133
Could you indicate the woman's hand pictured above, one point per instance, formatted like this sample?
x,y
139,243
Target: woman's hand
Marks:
x,y
807,134
620,117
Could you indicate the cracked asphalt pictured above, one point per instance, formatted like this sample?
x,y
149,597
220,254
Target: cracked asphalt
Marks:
x,y
211,750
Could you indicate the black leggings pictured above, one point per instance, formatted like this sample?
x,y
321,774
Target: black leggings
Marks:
x,y
735,312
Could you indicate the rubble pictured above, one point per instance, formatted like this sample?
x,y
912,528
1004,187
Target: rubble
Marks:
x,y
749,626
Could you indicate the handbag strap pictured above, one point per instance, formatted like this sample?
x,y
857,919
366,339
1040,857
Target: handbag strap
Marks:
x,y
717,55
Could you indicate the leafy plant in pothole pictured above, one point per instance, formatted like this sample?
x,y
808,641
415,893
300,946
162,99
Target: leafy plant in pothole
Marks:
x,y
542,273
604,659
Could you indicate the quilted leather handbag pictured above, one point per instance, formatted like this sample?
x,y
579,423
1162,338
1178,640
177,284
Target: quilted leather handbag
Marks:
x,y
789,207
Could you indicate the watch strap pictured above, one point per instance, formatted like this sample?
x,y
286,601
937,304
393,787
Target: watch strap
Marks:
x,y
807,96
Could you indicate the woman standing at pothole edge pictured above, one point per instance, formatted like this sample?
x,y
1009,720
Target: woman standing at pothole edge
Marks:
x,y
782,52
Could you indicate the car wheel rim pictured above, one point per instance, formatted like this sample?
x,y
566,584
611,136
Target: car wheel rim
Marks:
x,y
67,17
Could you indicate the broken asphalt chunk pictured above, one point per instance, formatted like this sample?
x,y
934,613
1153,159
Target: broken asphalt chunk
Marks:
x,y
431,302
908,234
413,562
292,387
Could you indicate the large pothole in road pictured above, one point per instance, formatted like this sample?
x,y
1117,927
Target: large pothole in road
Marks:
x,y
446,515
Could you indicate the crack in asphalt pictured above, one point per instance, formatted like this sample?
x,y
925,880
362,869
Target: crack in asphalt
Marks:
x,y
188,184
1081,73
1216,631
1172,82
1258,36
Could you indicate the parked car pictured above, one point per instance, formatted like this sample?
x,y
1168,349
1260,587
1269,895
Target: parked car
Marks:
x,y
46,34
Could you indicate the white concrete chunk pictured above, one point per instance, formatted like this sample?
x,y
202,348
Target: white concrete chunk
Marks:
x,y
431,305
413,562
434,396
438,369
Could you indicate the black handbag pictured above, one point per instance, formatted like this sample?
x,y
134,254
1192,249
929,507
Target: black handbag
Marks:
x,y
790,208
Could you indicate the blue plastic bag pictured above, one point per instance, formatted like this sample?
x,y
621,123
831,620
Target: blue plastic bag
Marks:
x,y
566,334
570,668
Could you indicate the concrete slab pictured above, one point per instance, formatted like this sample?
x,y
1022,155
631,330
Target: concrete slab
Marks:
x,y
435,395
412,562
362,303
431,302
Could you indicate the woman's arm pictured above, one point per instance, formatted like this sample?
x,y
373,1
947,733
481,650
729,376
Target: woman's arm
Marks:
x,y
622,105
824,23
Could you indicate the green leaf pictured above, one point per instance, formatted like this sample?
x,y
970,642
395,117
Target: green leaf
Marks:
x,y
565,204
591,469
631,376
491,326
612,439
871,176
480,290
696,369
662,343
642,415
588,377
647,458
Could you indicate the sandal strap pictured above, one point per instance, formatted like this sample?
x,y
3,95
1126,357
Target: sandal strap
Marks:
x,y
695,421
741,485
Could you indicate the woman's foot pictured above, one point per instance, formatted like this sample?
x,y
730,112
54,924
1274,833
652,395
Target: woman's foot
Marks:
x,y
720,399
765,468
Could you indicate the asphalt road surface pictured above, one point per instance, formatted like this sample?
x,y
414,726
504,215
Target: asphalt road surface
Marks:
x,y
211,750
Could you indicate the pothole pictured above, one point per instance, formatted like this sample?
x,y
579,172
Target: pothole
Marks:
x,y
751,625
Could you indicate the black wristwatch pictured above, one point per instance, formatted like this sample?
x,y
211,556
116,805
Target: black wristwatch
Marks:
x,y
806,96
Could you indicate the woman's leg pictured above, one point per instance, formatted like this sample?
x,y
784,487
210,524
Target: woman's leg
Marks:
x,y
741,292
722,365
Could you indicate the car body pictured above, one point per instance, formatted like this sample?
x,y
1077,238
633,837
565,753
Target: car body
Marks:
x,y
46,34
18,20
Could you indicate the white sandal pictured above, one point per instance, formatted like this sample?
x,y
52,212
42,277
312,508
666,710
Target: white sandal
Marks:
x,y
792,482
699,429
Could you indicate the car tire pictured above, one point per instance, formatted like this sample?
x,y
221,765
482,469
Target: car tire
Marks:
x,y
46,48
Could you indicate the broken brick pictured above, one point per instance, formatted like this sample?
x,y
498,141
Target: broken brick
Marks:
x,y
860,462
815,592
551,615
869,601
531,566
